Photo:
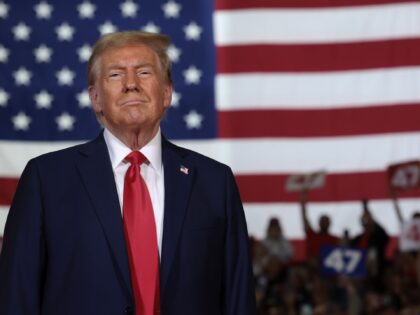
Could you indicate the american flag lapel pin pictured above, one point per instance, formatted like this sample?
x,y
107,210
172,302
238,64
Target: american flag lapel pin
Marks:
x,y
183,169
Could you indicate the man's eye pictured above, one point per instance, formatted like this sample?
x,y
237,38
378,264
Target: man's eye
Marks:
x,y
114,75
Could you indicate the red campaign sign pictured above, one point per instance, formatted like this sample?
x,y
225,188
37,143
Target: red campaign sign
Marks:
x,y
404,176
298,182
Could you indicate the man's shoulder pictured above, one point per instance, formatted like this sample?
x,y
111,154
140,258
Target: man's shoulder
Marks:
x,y
66,153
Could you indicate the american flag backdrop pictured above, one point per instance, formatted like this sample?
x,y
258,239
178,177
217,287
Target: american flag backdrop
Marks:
x,y
270,87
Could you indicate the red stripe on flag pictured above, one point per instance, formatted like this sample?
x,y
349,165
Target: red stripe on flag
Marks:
x,y
271,188
8,188
318,57
319,123
251,4
338,187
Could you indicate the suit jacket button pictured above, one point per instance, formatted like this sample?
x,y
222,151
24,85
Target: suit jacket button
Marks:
x,y
128,310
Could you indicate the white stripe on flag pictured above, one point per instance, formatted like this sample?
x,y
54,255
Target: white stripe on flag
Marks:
x,y
15,155
335,154
269,155
271,26
3,216
341,89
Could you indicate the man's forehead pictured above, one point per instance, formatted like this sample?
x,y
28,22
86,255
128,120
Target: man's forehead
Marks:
x,y
140,49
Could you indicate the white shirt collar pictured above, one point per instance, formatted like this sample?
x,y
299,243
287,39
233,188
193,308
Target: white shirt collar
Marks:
x,y
118,150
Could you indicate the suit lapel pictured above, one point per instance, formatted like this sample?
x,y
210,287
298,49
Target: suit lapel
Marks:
x,y
97,175
178,182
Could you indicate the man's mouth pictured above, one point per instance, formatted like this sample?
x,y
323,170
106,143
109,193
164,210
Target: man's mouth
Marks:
x,y
133,102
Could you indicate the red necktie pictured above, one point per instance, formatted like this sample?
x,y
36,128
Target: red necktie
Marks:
x,y
141,238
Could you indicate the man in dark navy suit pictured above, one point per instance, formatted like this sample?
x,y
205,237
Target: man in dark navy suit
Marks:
x,y
76,237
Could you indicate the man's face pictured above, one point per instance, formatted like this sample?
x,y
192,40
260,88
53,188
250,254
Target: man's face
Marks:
x,y
367,221
324,224
130,90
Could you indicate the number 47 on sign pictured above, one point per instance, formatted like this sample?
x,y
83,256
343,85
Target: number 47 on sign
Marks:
x,y
404,176
337,260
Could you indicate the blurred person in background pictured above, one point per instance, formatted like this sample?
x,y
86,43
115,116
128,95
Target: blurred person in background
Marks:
x,y
271,257
349,296
276,243
374,239
298,299
412,256
315,240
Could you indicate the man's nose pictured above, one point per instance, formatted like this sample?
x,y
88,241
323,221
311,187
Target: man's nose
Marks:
x,y
131,82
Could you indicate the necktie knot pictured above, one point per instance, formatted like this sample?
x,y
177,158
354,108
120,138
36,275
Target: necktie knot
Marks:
x,y
135,158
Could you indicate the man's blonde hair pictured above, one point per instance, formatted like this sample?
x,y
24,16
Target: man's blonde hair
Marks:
x,y
159,43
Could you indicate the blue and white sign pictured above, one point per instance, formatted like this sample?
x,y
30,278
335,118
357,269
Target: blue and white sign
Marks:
x,y
338,260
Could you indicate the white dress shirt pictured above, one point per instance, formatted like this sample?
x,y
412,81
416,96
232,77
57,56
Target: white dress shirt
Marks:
x,y
152,173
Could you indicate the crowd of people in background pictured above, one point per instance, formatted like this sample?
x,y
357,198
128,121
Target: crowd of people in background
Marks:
x,y
391,285
387,286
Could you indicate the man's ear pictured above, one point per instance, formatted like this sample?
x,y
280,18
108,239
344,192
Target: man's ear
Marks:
x,y
167,96
94,99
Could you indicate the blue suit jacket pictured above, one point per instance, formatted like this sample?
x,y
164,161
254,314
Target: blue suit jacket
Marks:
x,y
64,250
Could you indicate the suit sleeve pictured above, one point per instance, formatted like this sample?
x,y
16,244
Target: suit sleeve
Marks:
x,y
23,255
239,290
